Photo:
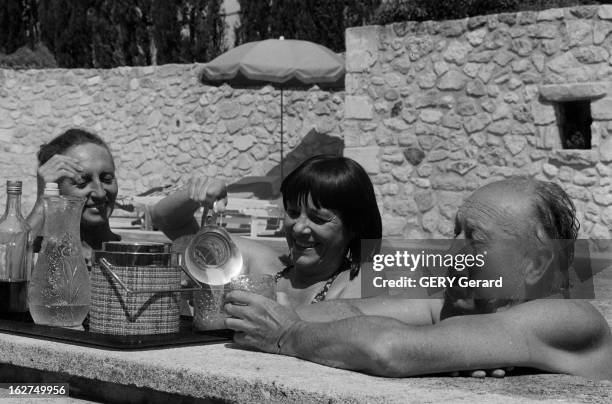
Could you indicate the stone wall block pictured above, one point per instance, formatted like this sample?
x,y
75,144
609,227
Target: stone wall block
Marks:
x,y
476,88
551,46
414,155
501,127
244,142
476,37
396,124
426,80
456,52
503,58
603,197
476,123
452,121
358,107
500,38
591,54
440,67
605,151
393,225
418,47
430,116
543,31
579,32
471,69
601,31
522,46
602,109
452,80
235,125
452,28
447,182
466,106
486,72
584,12
481,57
515,143
368,157
543,114
424,200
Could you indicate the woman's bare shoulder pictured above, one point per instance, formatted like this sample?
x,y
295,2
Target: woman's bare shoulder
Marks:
x,y
351,288
259,257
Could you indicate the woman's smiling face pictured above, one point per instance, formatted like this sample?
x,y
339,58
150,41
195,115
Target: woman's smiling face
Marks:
x,y
317,238
97,183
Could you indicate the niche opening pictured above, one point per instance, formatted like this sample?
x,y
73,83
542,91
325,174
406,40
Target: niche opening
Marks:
x,y
575,120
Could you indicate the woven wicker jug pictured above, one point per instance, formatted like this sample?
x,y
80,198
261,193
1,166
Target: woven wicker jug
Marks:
x,y
135,290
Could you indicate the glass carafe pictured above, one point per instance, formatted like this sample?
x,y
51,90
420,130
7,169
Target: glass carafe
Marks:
x,y
59,291
13,253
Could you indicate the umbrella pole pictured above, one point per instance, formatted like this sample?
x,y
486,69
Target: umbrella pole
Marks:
x,y
281,136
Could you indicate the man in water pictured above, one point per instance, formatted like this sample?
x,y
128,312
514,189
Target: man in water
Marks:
x,y
519,222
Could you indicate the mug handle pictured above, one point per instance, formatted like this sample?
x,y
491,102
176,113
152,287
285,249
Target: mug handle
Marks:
x,y
108,267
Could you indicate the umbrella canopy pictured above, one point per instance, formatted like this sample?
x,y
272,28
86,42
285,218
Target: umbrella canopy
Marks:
x,y
278,62
284,64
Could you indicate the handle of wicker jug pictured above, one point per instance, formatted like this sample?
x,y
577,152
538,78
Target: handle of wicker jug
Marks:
x,y
107,266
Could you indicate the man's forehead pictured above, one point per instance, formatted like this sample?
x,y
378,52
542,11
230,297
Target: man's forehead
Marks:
x,y
498,204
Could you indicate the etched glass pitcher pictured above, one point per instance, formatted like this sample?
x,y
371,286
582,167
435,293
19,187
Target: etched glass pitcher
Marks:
x,y
59,291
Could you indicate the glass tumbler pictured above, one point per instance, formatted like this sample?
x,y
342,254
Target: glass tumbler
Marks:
x,y
264,285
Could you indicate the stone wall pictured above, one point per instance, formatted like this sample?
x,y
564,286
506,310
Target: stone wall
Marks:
x,y
434,110
161,123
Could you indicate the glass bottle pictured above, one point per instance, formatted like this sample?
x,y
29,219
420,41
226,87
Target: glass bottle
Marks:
x,y
59,291
14,232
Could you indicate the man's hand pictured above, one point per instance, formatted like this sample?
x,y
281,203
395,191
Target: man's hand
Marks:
x,y
206,191
258,321
58,167
481,374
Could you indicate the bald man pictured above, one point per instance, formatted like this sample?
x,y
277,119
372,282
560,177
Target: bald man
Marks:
x,y
520,223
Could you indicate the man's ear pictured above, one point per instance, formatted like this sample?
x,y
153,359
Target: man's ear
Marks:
x,y
538,264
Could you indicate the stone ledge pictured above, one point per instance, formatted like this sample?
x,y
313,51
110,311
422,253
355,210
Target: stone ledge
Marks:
x,y
573,92
221,372
577,158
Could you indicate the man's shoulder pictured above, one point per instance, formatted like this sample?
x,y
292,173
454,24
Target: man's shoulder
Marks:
x,y
572,325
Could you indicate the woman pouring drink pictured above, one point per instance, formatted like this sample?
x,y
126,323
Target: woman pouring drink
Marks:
x,y
330,208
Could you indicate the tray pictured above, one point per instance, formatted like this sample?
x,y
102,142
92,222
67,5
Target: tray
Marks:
x,y
22,324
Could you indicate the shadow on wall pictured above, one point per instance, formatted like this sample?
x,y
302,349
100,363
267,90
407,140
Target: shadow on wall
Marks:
x,y
268,186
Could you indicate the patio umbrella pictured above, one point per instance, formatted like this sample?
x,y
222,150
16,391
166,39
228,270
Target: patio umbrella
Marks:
x,y
284,64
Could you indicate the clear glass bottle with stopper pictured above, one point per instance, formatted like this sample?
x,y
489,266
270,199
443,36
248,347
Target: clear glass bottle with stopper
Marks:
x,y
59,291
14,232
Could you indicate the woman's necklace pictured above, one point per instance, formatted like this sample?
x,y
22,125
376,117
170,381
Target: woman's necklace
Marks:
x,y
323,293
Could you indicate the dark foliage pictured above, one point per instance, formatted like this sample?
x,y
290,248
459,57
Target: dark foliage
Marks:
x,y
320,21
421,10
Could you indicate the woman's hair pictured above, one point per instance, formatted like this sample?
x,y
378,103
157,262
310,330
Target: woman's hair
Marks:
x,y
68,139
342,185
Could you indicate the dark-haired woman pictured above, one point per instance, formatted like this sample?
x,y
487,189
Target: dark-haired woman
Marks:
x,y
82,165
330,210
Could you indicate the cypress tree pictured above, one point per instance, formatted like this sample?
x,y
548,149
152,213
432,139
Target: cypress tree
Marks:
x,y
210,34
254,21
166,31
12,30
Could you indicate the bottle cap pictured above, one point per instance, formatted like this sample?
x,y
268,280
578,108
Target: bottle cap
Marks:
x,y
51,189
13,187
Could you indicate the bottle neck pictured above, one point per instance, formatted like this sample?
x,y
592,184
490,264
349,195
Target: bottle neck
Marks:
x,y
13,205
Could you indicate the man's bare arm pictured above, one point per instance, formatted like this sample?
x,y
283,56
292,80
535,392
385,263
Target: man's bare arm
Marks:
x,y
409,311
551,335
